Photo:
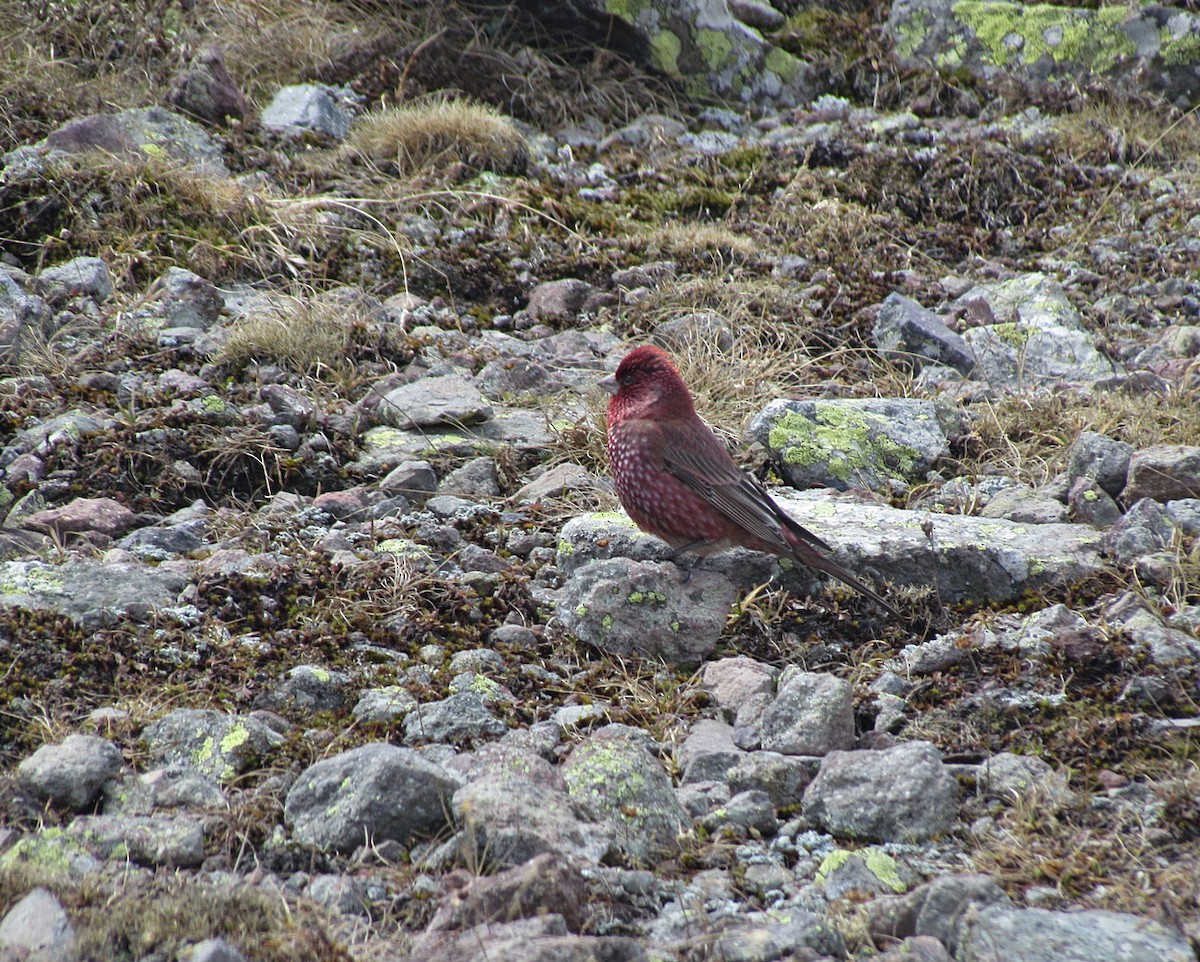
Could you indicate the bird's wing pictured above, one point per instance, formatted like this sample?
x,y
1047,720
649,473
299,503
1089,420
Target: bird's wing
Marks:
x,y
702,462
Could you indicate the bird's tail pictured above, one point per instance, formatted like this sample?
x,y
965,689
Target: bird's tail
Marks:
x,y
802,543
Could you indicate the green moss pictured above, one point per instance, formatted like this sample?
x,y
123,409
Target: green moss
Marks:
x,y
1012,333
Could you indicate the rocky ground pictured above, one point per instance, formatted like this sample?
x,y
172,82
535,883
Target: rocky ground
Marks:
x,y
322,635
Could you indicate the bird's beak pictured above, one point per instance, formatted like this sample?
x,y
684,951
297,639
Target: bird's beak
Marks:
x,y
609,384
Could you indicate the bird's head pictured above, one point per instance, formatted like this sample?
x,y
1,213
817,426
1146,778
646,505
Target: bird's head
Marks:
x,y
647,385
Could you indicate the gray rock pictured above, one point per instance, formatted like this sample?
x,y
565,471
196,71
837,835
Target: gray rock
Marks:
x,y
174,786
459,718
769,935
1023,504
89,592
749,70
101,515
384,447
72,773
142,133
706,329
343,894
627,789
748,812
306,690
1164,472
306,108
159,544
558,301
517,377
1144,529
741,687
937,909
868,872
515,806
387,704
914,335
180,298
1037,339
1185,515
1038,935
478,478
410,478
219,745
212,950
655,610
1024,777
1088,503
964,558
369,794
708,752
902,793
560,481
449,399
79,277
855,442
782,777
1152,46
37,929
812,714
24,317
171,841
1103,459
546,883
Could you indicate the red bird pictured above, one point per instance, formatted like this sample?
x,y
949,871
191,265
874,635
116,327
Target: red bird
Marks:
x,y
679,483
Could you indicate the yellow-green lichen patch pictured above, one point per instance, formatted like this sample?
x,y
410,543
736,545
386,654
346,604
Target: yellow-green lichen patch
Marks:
x,y
637,597
664,52
1176,51
782,64
1017,35
911,33
715,46
877,861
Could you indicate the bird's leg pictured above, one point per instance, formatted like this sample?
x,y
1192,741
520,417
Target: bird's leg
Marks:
x,y
674,553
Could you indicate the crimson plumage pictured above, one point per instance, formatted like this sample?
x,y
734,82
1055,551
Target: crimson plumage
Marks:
x,y
677,480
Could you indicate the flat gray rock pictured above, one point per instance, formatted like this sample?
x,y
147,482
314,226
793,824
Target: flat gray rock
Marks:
x,y
90,592
1038,935
963,558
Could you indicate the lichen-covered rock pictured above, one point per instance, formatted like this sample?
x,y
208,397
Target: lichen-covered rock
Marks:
x,y
655,610
615,777
369,794
1033,339
699,43
219,745
869,442
1156,45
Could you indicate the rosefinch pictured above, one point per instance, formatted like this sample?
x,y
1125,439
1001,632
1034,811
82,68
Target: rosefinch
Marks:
x,y
679,483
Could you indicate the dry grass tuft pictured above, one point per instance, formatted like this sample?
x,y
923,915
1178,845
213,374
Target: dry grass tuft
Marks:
x,y
450,136
308,336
